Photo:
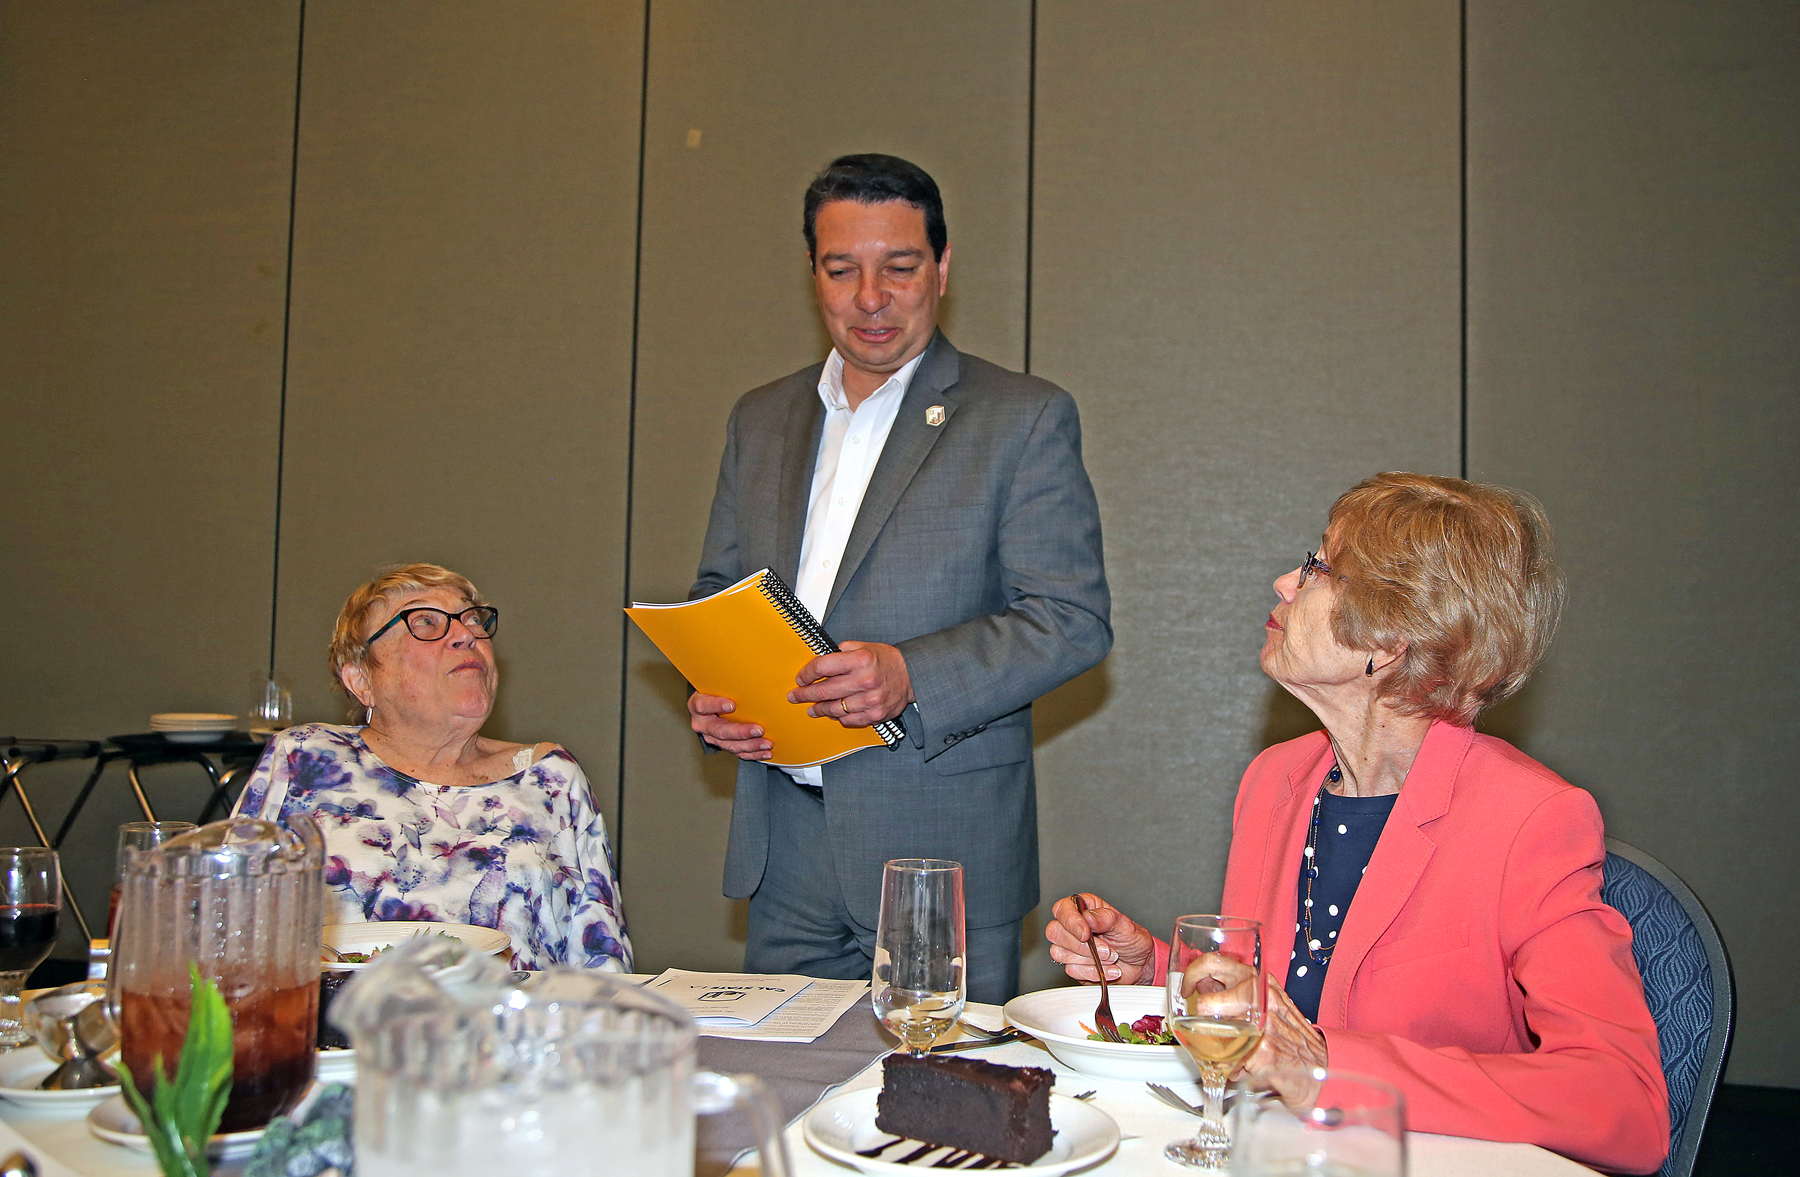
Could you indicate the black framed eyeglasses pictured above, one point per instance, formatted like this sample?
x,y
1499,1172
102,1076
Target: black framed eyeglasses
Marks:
x,y
430,625
1311,565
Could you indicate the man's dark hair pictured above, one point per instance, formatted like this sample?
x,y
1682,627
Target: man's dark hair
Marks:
x,y
872,179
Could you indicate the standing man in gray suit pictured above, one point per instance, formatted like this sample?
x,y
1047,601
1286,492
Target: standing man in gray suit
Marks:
x,y
933,509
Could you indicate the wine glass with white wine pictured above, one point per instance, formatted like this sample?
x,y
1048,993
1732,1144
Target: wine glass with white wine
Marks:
x,y
1217,998
921,948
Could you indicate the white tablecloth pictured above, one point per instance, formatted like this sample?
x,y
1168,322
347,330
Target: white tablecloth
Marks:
x,y
1146,1124
60,1144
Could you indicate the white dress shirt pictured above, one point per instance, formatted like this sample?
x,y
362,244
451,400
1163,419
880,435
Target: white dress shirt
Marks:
x,y
848,450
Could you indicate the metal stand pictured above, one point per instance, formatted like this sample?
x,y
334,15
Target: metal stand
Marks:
x,y
238,751
22,754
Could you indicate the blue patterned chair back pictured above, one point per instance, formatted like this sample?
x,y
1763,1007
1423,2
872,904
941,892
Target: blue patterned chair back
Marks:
x,y
1687,982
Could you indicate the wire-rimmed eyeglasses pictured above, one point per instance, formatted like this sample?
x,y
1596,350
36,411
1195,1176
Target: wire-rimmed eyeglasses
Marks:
x,y
1311,565
430,625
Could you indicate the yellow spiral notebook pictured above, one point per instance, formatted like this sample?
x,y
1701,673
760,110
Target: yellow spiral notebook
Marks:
x,y
747,643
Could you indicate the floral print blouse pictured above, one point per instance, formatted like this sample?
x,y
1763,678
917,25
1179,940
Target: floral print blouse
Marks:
x,y
527,854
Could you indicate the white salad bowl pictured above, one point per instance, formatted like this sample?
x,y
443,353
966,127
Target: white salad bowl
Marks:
x,y
1055,1017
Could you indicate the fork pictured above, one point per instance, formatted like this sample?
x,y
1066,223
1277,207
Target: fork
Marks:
x,y
1173,1100
1103,1017
984,1032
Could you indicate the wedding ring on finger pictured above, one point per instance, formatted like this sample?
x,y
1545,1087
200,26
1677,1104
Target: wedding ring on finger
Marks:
x,y
844,705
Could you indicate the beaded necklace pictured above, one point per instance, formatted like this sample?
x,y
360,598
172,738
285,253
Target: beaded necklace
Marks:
x,y
1320,953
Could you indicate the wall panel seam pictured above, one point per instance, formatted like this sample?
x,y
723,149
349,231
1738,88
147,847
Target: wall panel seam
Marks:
x,y
637,315
1462,201
287,321
1030,166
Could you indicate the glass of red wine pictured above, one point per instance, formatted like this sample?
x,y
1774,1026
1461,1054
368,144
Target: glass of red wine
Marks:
x,y
30,910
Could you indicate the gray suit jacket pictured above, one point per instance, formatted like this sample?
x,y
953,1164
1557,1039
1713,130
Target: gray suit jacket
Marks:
x,y
977,553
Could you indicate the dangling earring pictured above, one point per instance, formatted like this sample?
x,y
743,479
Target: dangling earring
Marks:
x,y
368,714
1369,671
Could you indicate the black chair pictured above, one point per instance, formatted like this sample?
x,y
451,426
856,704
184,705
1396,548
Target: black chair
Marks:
x,y
1687,982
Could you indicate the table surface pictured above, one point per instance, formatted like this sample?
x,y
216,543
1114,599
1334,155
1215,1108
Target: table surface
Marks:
x,y
1146,1124
61,1145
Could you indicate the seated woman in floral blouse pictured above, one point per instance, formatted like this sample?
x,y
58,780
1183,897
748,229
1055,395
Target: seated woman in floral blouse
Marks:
x,y
426,819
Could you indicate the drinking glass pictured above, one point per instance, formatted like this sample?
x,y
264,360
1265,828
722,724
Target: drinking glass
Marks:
x,y
271,706
30,909
1217,998
920,950
138,835
1352,1126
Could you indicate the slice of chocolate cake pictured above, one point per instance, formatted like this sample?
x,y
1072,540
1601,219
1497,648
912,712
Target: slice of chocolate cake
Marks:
x,y
966,1103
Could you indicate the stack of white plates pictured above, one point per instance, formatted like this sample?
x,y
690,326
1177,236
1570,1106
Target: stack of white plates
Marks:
x,y
192,727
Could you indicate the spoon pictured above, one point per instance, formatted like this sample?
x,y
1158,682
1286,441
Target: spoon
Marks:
x,y
83,1068
1103,1017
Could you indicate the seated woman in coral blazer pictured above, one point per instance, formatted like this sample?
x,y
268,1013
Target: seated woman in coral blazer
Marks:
x,y
1443,888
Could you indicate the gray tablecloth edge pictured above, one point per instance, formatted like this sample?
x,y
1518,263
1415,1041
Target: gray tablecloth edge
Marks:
x,y
796,1073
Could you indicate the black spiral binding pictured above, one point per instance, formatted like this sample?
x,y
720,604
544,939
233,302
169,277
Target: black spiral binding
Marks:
x,y
800,619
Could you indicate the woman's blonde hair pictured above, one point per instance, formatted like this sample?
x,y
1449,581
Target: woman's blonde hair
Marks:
x,y
350,636
1460,574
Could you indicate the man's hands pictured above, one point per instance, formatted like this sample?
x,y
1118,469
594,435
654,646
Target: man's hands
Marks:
x,y
1127,950
861,685
706,715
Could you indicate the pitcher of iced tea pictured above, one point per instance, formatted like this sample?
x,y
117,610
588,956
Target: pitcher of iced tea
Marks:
x,y
467,1070
244,900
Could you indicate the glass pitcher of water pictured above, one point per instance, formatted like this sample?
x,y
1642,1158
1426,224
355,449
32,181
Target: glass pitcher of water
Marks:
x,y
244,900
466,1069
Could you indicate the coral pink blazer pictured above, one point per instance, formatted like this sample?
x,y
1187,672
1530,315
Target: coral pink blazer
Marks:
x,y
1477,969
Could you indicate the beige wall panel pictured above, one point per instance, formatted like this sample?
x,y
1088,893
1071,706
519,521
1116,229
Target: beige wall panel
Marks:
x,y
769,93
144,154
1246,270
1633,301
460,369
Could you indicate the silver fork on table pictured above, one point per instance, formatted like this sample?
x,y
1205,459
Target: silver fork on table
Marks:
x,y
1173,1100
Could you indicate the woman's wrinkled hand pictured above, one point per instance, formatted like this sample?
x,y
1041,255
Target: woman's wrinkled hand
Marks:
x,y
1127,950
1224,982
1290,1048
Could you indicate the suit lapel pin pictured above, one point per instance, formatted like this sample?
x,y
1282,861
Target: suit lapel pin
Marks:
x,y
934,416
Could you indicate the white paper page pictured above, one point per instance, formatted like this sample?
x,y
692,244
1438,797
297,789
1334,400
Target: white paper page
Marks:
x,y
803,1018
728,999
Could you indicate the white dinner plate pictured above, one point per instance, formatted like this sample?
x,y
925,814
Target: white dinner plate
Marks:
x,y
336,1066
192,727
370,936
115,1123
844,1125
23,1069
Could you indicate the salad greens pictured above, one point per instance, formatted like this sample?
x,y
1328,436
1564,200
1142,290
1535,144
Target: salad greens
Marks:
x,y
1146,1031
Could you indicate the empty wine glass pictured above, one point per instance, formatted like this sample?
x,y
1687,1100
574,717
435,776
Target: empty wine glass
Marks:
x,y
138,835
271,705
30,913
1350,1125
920,950
1217,997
